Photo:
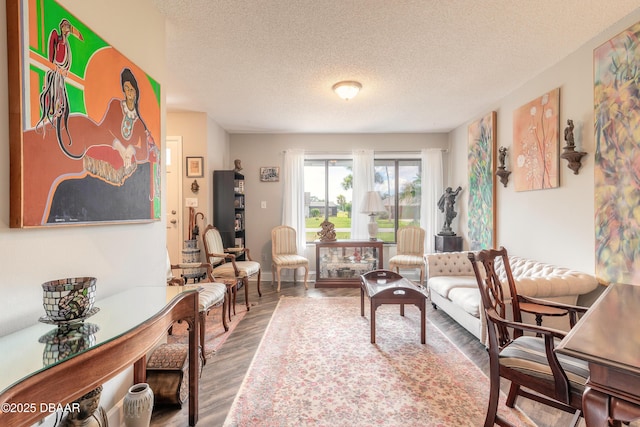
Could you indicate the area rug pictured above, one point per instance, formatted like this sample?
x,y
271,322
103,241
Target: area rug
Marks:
x,y
316,366
215,334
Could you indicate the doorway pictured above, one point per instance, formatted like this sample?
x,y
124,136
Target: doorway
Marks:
x,y
173,166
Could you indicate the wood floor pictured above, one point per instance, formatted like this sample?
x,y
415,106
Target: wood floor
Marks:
x,y
225,370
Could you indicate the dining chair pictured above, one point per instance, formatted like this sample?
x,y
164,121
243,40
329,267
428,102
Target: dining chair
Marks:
x,y
524,353
225,266
284,254
212,294
410,250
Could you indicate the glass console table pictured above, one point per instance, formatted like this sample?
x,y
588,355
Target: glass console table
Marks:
x,y
36,371
339,264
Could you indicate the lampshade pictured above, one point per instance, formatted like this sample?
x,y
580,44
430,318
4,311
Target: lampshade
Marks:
x,y
372,203
347,89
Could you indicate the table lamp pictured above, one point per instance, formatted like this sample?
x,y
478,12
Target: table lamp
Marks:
x,y
372,204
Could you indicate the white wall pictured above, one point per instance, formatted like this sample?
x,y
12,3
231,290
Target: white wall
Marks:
x,y
201,136
257,150
555,225
120,256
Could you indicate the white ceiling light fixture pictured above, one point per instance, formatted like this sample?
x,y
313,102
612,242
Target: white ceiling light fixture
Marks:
x,y
347,89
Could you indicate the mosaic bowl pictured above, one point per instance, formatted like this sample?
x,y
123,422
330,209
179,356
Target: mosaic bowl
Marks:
x,y
69,299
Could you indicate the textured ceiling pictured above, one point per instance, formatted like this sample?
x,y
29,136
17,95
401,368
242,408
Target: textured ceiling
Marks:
x,y
425,66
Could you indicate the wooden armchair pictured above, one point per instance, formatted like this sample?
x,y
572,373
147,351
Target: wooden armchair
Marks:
x,y
213,294
225,266
528,361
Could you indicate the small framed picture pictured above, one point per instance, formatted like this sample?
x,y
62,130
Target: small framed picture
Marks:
x,y
270,174
195,166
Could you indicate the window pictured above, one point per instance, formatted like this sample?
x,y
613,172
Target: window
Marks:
x,y
328,192
328,195
399,183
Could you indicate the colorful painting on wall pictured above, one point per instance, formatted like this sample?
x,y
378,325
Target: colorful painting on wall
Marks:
x,y
536,143
481,160
84,122
617,157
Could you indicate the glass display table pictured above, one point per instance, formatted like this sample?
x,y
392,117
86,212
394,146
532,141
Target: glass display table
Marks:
x,y
37,371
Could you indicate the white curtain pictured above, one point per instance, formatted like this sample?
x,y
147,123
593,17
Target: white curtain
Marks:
x,y
363,181
432,181
293,204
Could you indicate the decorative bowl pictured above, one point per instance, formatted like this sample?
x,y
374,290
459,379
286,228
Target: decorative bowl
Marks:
x,y
68,299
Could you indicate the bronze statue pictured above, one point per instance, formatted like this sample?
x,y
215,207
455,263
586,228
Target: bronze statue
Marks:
x,y
446,205
237,165
568,134
502,156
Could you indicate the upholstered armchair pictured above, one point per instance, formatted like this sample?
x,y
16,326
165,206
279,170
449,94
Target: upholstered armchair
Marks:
x,y
284,254
225,266
410,252
213,294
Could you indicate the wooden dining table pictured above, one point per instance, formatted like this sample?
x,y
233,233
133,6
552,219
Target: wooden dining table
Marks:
x,y
608,338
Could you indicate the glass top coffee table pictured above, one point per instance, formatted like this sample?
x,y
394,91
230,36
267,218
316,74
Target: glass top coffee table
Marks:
x,y
388,287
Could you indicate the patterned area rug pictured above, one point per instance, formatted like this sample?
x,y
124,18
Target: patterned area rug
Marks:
x,y
316,366
215,335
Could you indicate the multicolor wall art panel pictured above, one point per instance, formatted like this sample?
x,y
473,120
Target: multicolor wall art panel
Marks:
x,y
617,157
482,179
84,122
536,143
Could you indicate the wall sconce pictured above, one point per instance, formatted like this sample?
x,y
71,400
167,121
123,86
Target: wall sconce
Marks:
x,y
502,171
194,186
570,154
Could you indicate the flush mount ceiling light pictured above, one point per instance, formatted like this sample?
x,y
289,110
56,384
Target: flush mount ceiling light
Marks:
x,y
347,89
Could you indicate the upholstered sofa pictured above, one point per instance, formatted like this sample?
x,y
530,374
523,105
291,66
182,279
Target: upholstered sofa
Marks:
x,y
453,288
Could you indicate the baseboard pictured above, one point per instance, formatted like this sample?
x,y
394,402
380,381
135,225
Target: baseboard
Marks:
x,y
115,415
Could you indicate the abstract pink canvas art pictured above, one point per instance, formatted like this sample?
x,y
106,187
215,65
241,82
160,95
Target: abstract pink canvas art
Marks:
x,y
536,143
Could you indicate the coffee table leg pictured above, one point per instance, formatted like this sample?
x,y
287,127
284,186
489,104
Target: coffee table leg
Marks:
x,y
373,322
423,323
401,309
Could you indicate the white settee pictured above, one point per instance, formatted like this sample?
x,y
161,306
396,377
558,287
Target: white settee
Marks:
x,y
453,288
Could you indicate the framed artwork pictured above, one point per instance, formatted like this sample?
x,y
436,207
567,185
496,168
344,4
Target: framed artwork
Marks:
x,y
195,167
270,174
617,156
536,143
83,127
482,179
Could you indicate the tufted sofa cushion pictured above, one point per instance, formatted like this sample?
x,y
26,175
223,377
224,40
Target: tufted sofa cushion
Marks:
x,y
540,280
449,264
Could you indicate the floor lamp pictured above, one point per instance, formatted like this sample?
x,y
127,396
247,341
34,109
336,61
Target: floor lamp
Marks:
x,y
371,205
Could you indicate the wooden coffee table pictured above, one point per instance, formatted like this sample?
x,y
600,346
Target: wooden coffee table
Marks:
x,y
388,287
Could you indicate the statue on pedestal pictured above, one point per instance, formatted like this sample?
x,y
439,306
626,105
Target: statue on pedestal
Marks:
x,y
446,205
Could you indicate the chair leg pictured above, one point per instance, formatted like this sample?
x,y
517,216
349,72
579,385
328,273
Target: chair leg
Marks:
x,y
259,275
273,269
225,303
245,281
278,273
294,275
494,395
306,276
202,320
513,393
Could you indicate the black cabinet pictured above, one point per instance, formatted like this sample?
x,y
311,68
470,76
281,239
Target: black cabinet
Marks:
x,y
448,243
229,208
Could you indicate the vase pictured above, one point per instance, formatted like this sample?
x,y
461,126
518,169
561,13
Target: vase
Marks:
x,y
138,404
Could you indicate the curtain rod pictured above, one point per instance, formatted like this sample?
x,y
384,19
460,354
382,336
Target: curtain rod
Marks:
x,y
444,150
